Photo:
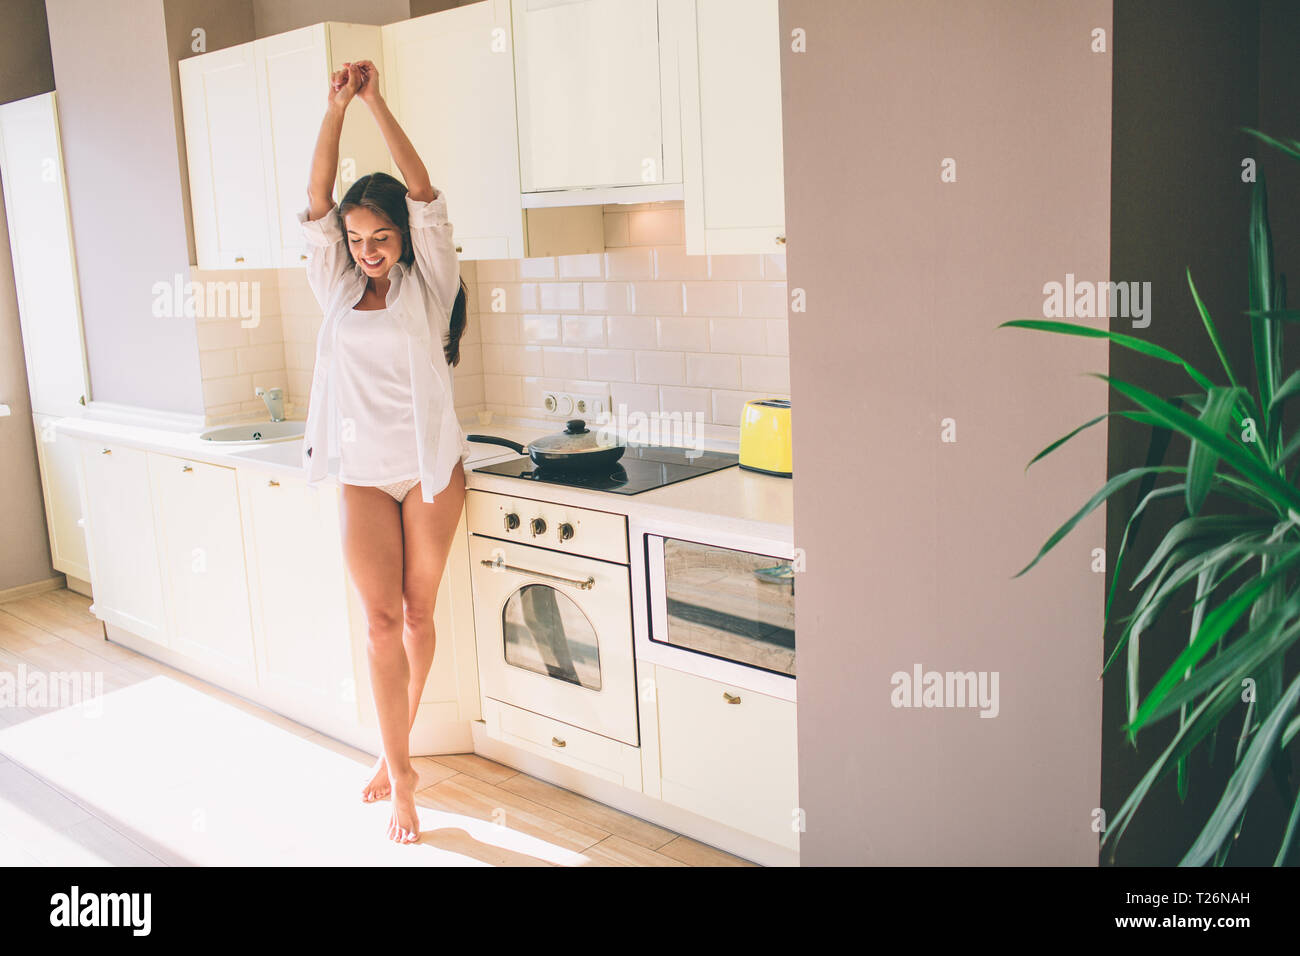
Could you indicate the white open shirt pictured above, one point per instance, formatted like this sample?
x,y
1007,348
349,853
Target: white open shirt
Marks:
x,y
420,298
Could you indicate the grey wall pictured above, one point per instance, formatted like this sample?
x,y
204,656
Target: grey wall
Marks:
x,y
113,74
1188,73
25,70
280,16
911,543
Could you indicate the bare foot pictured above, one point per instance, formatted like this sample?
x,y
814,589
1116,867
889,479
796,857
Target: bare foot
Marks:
x,y
378,786
404,825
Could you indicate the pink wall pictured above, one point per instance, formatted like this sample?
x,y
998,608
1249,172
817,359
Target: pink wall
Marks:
x,y
911,542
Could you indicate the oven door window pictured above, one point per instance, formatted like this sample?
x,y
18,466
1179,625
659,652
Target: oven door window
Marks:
x,y
546,632
735,605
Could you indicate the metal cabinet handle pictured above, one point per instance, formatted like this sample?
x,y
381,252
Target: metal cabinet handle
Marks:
x,y
272,483
106,451
780,240
239,258
557,742
730,699
459,249
500,565
187,467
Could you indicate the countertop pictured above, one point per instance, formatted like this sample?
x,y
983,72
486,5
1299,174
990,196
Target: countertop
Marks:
x,y
731,502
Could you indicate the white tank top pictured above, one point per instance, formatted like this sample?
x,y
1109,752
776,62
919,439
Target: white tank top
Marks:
x,y
376,420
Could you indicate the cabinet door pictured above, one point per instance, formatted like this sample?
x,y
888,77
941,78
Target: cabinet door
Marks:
x,y
468,142
293,71
588,84
201,548
454,675
223,146
298,590
120,538
57,457
731,129
40,241
728,754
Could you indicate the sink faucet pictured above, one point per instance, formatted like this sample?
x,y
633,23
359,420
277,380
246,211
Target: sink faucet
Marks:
x,y
274,399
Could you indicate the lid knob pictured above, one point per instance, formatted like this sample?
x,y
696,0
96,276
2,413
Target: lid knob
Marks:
x,y
575,426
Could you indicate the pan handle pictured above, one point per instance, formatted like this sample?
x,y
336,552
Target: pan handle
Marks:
x,y
494,440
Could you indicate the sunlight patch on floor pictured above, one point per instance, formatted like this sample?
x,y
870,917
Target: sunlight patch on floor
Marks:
x,y
197,781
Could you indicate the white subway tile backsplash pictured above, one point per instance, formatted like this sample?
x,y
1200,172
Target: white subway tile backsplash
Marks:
x,y
583,330
660,368
540,330
611,365
499,327
260,358
734,267
539,268
586,266
607,297
683,333
778,336
497,270
657,298
632,331
712,370
564,362
687,401
774,265
764,300
634,398
652,227
560,296
765,372
616,230
736,335
711,298
672,262
636,262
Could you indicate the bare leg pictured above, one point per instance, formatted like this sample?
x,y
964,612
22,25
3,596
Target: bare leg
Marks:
x,y
428,531
372,548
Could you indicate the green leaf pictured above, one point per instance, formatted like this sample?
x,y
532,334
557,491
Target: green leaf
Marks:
x,y
1211,330
1260,287
1284,495
1241,786
1217,623
1288,838
1290,147
1108,489
1201,460
1141,417
1141,346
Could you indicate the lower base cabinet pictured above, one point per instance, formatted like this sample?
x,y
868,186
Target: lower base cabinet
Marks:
x,y
57,457
729,754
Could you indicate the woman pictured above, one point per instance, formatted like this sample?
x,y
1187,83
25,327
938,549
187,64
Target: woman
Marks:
x,y
384,269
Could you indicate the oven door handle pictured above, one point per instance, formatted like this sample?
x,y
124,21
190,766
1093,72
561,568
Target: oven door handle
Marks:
x,y
500,565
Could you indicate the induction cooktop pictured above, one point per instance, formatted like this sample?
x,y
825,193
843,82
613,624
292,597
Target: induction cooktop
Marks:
x,y
641,468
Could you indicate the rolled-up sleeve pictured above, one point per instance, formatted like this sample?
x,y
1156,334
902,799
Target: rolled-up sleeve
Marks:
x,y
435,250
327,255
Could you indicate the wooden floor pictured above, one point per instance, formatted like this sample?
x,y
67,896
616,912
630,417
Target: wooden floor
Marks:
x,y
548,826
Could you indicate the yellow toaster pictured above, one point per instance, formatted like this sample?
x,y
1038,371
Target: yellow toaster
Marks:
x,y
765,437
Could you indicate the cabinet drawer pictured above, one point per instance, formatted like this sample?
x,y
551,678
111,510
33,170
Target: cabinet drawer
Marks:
x,y
563,743
731,762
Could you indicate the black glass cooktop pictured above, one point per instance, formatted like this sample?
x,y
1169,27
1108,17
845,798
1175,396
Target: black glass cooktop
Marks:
x,y
641,468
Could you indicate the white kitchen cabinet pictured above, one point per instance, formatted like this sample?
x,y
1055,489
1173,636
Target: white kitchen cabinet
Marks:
x,y
298,596
293,70
252,113
200,546
121,540
731,129
470,144
57,457
597,90
40,240
224,149
729,754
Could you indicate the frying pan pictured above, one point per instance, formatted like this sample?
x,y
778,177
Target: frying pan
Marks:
x,y
576,449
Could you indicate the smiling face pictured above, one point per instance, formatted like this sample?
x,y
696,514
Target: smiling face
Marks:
x,y
376,244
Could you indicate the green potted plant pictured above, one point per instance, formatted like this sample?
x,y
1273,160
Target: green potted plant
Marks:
x,y
1241,570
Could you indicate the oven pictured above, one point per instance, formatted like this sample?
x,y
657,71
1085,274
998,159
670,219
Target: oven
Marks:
x,y
553,611
717,604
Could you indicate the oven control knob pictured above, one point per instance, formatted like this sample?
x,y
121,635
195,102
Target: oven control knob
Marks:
x,y
565,531
539,526
512,521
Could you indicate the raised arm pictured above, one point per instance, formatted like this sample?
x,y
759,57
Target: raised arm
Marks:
x,y
344,84
416,177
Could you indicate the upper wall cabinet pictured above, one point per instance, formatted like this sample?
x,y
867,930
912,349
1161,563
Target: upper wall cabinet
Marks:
x,y
597,89
450,83
252,114
731,129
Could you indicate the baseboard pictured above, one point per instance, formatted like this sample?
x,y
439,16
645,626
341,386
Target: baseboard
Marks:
x,y
36,587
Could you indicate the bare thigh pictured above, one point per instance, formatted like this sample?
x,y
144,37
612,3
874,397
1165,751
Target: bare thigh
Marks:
x,y
428,529
372,549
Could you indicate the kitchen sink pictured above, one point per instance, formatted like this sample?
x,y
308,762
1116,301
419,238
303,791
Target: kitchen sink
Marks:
x,y
255,432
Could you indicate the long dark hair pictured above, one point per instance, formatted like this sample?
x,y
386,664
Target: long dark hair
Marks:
x,y
385,196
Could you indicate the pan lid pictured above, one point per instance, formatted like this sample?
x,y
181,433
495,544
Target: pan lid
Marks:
x,y
576,438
